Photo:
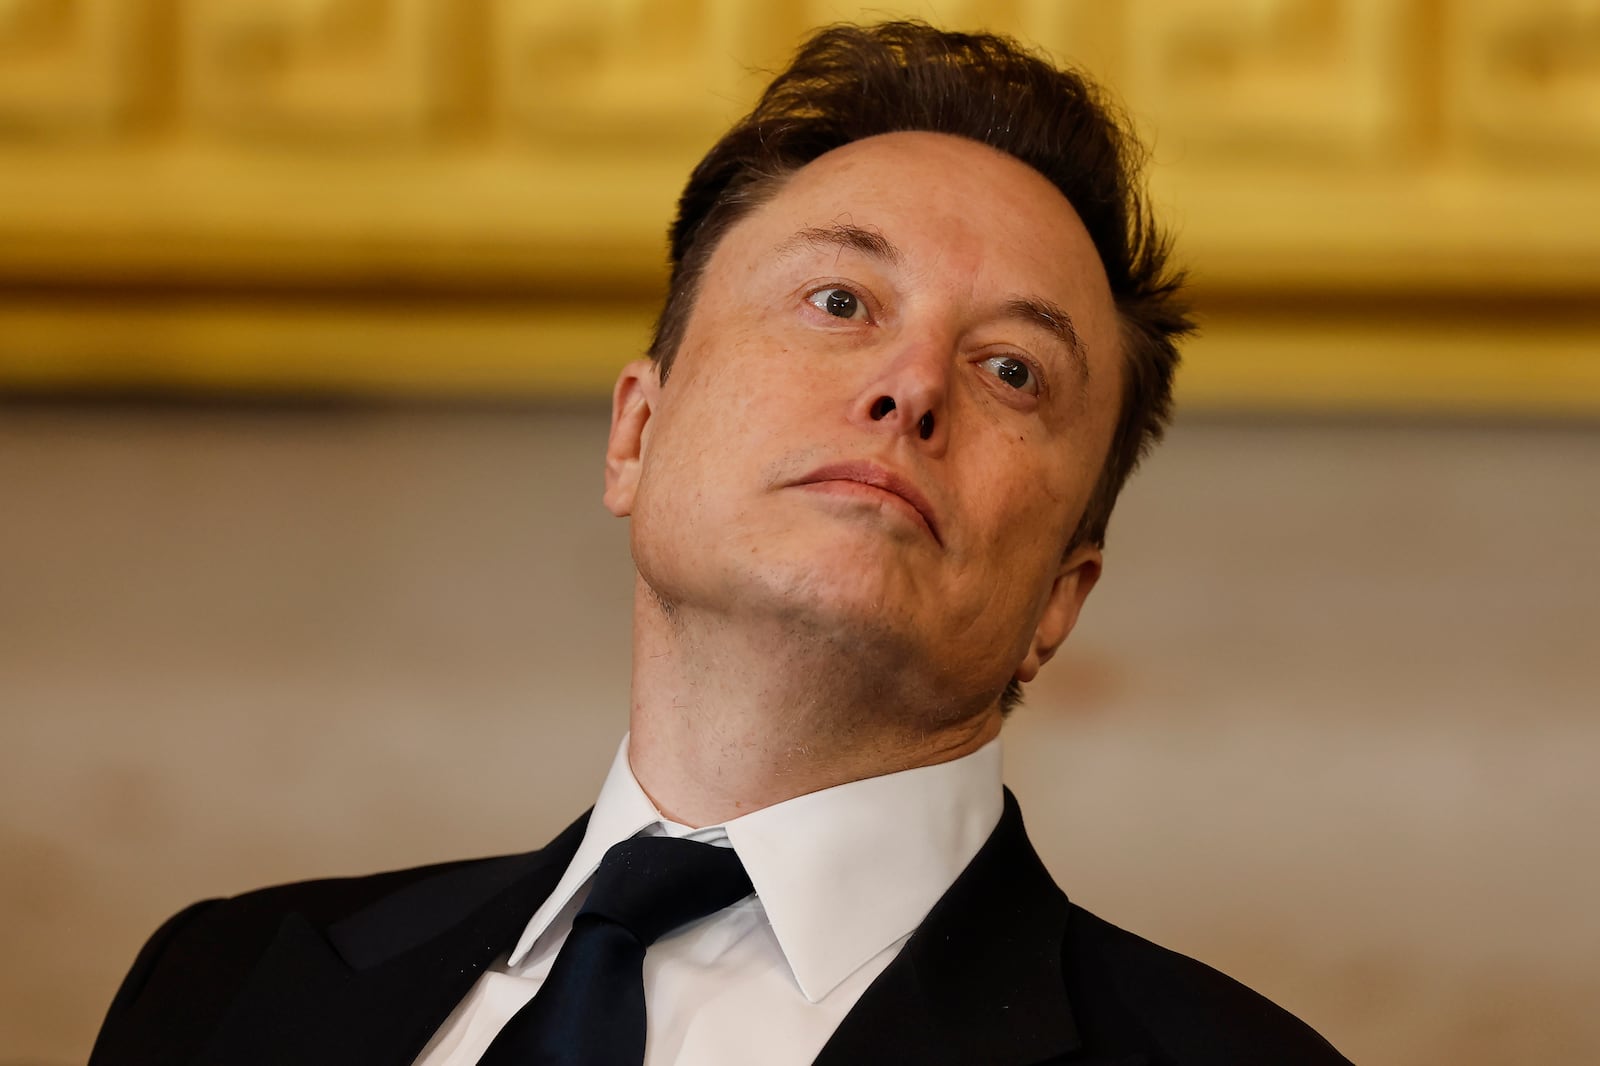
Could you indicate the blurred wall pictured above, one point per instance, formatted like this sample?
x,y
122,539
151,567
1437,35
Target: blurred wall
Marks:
x,y
1329,722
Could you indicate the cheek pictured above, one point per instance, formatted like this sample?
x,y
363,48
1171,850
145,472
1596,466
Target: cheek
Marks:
x,y
715,425
1034,508
753,387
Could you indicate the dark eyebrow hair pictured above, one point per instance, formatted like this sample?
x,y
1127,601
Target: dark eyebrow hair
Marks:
x,y
1055,319
844,235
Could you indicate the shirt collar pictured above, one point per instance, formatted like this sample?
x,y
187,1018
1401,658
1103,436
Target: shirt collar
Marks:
x,y
842,873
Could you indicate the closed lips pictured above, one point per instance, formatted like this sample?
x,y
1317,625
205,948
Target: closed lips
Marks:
x,y
878,477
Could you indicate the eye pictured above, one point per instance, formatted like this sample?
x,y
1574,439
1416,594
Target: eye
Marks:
x,y
840,303
1014,372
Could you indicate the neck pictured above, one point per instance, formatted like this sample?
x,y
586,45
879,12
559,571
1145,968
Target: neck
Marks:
x,y
727,719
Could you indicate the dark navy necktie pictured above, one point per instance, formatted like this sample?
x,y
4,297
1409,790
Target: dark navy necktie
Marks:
x,y
590,1010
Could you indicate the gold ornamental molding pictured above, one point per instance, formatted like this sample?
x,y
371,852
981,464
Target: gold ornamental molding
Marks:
x,y
1388,204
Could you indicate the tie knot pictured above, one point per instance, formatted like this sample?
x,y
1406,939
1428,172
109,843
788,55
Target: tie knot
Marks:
x,y
652,885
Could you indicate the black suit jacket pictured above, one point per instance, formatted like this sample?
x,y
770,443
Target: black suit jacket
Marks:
x,y
1004,971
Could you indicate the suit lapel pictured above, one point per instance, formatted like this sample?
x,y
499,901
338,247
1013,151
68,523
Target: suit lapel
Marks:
x,y
979,981
375,986
981,978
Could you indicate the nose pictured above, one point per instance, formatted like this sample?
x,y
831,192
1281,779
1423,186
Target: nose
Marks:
x,y
910,396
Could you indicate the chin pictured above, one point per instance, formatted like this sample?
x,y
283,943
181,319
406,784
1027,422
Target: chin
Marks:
x,y
859,606
855,579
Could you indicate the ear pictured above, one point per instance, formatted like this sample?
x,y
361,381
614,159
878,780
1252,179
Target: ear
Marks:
x,y
1074,581
632,401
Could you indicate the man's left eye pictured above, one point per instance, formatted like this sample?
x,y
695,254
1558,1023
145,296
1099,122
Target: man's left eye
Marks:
x,y
840,303
1013,371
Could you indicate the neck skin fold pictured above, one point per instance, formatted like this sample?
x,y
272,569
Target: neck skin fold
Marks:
x,y
727,718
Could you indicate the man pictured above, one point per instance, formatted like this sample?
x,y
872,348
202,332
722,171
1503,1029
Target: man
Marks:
x,y
919,331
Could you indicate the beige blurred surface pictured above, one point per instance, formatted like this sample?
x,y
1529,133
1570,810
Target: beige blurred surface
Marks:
x,y
1328,723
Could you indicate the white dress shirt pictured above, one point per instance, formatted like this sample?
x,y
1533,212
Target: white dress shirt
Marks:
x,y
842,877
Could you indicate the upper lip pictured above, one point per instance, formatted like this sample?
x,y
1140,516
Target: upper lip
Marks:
x,y
879,477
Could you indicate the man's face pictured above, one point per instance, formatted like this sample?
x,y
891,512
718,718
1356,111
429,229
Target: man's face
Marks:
x,y
893,397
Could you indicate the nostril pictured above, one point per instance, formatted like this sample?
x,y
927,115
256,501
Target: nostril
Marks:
x,y
882,406
925,425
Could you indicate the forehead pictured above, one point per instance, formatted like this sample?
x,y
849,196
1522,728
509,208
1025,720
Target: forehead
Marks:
x,y
922,165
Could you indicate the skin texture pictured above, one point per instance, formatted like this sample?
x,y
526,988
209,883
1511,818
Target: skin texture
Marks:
x,y
849,521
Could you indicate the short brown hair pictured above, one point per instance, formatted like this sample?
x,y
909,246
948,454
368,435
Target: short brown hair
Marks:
x,y
848,83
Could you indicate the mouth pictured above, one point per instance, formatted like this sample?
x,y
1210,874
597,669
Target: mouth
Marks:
x,y
879,481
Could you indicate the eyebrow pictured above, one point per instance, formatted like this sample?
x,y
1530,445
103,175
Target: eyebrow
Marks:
x,y
1053,318
843,235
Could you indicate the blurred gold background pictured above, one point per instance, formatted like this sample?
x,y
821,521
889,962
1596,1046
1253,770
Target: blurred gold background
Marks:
x,y
1330,724
1388,205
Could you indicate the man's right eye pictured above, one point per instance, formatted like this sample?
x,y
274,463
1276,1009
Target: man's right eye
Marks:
x,y
840,303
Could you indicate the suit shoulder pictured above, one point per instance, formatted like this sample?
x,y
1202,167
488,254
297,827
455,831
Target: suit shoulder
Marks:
x,y
232,931
1195,1015
188,970
330,898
